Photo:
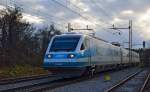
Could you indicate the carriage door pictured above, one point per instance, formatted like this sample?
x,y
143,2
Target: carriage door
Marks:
x,y
90,52
121,56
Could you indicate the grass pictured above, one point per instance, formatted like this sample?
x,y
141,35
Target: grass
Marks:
x,y
19,70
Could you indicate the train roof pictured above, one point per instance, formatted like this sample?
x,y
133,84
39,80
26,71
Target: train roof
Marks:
x,y
82,34
99,38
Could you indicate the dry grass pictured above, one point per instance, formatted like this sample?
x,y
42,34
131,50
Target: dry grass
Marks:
x,y
19,70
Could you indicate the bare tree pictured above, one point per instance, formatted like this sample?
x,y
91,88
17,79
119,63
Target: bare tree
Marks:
x,y
19,44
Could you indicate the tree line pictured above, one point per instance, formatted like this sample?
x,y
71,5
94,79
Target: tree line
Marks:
x,y
21,42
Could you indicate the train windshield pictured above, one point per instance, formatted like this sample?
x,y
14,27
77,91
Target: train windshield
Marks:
x,y
64,43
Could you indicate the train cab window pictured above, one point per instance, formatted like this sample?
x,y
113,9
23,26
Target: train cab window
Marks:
x,y
82,47
64,43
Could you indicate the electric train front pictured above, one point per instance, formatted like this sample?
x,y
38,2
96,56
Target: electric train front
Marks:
x,y
62,54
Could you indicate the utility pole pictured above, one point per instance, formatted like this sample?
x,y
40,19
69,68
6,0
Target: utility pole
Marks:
x,y
69,27
130,37
130,25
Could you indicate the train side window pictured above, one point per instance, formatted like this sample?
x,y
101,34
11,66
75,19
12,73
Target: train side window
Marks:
x,y
82,47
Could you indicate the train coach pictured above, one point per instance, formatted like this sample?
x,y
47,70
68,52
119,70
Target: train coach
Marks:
x,y
79,54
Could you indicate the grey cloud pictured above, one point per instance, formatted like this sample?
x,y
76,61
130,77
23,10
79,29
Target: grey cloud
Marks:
x,y
96,9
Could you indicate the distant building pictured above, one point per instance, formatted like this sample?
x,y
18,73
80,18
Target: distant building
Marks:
x,y
145,56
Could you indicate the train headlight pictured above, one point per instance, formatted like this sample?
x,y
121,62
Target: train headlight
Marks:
x,y
71,56
49,56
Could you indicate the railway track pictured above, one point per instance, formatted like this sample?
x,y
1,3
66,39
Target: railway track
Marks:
x,y
23,83
21,79
146,85
39,83
35,85
132,83
73,81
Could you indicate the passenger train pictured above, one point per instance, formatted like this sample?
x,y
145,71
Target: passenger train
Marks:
x,y
76,53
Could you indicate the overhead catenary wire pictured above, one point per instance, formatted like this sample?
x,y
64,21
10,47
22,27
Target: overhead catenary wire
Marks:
x,y
79,14
104,22
71,4
86,18
50,16
100,8
70,10
47,15
108,8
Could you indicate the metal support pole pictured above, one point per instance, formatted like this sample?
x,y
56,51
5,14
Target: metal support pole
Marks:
x,y
129,42
69,27
130,38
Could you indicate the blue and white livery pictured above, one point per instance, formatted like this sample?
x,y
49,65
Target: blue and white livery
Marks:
x,y
75,53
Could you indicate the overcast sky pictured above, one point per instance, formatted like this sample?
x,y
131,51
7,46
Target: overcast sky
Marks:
x,y
98,14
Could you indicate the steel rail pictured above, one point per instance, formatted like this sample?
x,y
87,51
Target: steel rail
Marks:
x,y
23,78
122,82
145,83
